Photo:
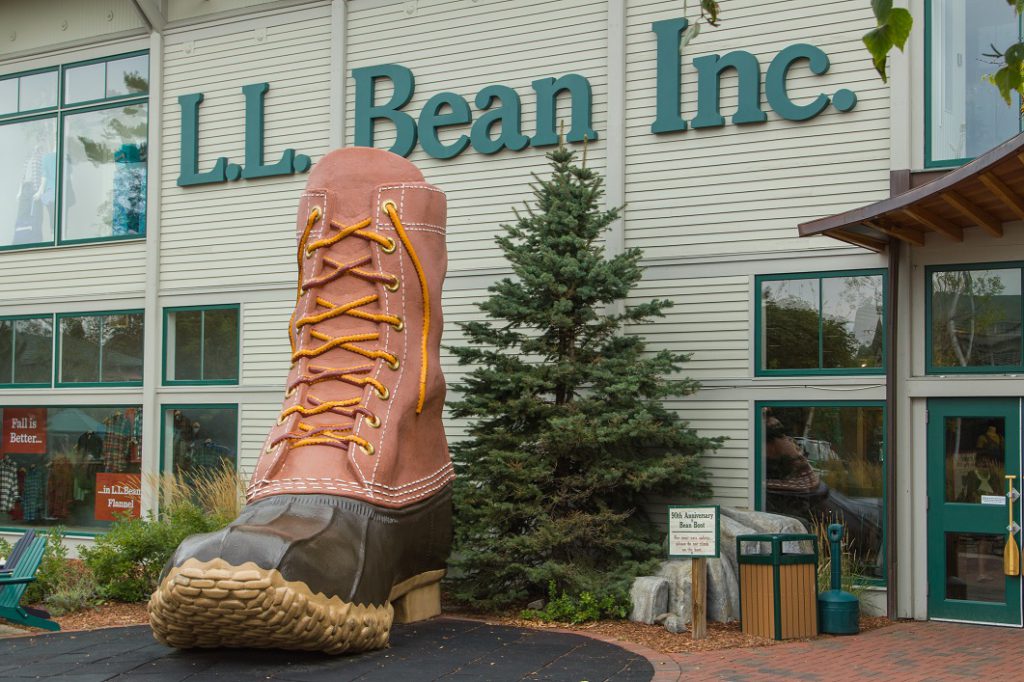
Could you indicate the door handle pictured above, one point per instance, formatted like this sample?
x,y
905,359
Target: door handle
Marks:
x,y
1011,552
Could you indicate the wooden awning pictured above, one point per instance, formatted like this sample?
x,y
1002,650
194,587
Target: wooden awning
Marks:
x,y
984,194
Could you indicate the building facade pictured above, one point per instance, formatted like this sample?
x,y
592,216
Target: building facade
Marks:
x,y
154,153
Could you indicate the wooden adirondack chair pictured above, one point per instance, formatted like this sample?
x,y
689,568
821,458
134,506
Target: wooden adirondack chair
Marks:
x,y
12,587
19,548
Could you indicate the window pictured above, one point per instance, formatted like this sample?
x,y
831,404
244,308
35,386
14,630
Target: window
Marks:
x,y
199,440
965,116
821,323
26,351
201,345
100,348
974,318
77,467
74,170
824,463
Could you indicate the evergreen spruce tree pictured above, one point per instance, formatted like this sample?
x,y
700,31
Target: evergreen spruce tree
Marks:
x,y
568,430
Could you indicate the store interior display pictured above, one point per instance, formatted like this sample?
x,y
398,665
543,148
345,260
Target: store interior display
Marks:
x,y
51,458
197,437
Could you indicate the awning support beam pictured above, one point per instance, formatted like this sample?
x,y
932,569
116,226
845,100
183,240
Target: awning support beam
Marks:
x,y
934,222
983,218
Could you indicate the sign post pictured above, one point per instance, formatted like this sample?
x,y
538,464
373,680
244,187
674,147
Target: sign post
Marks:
x,y
693,532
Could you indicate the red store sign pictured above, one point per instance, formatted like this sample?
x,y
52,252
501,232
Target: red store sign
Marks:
x,y
116,494
24,431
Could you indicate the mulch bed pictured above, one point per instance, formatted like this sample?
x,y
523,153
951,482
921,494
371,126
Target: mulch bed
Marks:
x,y
720,635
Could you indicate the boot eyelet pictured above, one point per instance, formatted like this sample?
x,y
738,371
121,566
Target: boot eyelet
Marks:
x,y
289,393
280,420
392,286
389,203
383,395
399,327
394,365
367,450
390,248
309,254
315,213
373,421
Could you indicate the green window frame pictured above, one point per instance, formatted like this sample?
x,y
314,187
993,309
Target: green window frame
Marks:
x,y
168,349
59,113
760,331
14,383
167,458
58,352
930,366
760,467
929,161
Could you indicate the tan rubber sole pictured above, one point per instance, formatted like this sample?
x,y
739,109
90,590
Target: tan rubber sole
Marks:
x,y
216,604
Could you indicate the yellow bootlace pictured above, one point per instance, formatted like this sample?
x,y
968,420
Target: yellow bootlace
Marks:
x,y
338,435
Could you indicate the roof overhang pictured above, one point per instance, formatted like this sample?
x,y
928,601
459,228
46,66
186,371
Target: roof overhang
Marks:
x,y
984,194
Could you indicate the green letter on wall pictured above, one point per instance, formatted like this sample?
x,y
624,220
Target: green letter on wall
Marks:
x,y
775,82
547,90
190,174
709,82
431,119
668,84
366,111
508,115
254,167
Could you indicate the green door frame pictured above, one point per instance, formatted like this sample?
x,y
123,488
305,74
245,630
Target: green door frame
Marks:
x,y
946,516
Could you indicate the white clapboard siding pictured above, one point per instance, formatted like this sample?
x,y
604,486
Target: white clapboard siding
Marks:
x,y
242,233
266,352
743,189
95,272
461,47
710,320
257,418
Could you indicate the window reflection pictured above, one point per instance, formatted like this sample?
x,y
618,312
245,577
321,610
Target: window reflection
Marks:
x,y
968,116
105,173
84,83
976,318
823,322
28,187
101,348
825,464
37,91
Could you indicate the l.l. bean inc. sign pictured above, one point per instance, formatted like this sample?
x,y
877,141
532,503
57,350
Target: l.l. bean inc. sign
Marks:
x,y
498,120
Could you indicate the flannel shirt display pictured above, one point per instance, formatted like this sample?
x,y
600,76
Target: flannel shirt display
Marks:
x,y
116,443
8,484
60,488
33,500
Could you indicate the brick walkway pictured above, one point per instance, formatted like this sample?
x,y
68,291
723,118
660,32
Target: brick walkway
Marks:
x,y
905,652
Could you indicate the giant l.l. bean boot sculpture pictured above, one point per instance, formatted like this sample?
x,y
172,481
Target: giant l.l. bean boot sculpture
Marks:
x,y
347,525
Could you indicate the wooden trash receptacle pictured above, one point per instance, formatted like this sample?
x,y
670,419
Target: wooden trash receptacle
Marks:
x,y
778,590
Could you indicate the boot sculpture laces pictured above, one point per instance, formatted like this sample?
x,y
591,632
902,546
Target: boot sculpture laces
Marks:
x,y
347,524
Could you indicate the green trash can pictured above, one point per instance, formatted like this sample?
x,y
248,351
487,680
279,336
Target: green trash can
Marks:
x,y
778,590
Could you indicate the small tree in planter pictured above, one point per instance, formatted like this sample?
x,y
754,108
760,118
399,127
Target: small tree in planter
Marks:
x,y
568,430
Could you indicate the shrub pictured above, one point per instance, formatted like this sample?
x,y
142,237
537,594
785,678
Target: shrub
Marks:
x,y
75,591
580,608
52,568
128,559
5,549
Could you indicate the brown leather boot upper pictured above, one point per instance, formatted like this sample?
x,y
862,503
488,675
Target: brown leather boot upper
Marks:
x,y
362,412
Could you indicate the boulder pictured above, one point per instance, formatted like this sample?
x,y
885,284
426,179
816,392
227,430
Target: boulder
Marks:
x,y
649,595
723,592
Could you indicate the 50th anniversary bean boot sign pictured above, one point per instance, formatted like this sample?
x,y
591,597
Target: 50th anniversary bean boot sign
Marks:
x,y
347,524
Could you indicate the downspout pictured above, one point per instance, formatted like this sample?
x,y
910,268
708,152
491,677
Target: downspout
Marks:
x,y
891,355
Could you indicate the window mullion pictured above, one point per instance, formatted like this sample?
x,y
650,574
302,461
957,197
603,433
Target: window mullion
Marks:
x,y
202,345
821,324
103,328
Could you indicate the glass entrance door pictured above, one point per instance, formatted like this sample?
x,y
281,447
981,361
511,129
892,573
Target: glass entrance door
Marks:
x,y
972,446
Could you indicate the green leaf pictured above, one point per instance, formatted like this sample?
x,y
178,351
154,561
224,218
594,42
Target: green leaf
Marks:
x,y
898,26
881,8
878,43
691,32
1014,55
709,10
1008,80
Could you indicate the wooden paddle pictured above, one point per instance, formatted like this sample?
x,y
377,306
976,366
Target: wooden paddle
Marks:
x,y
1011,552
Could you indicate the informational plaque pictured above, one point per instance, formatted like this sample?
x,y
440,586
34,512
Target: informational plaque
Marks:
x,y
693,531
